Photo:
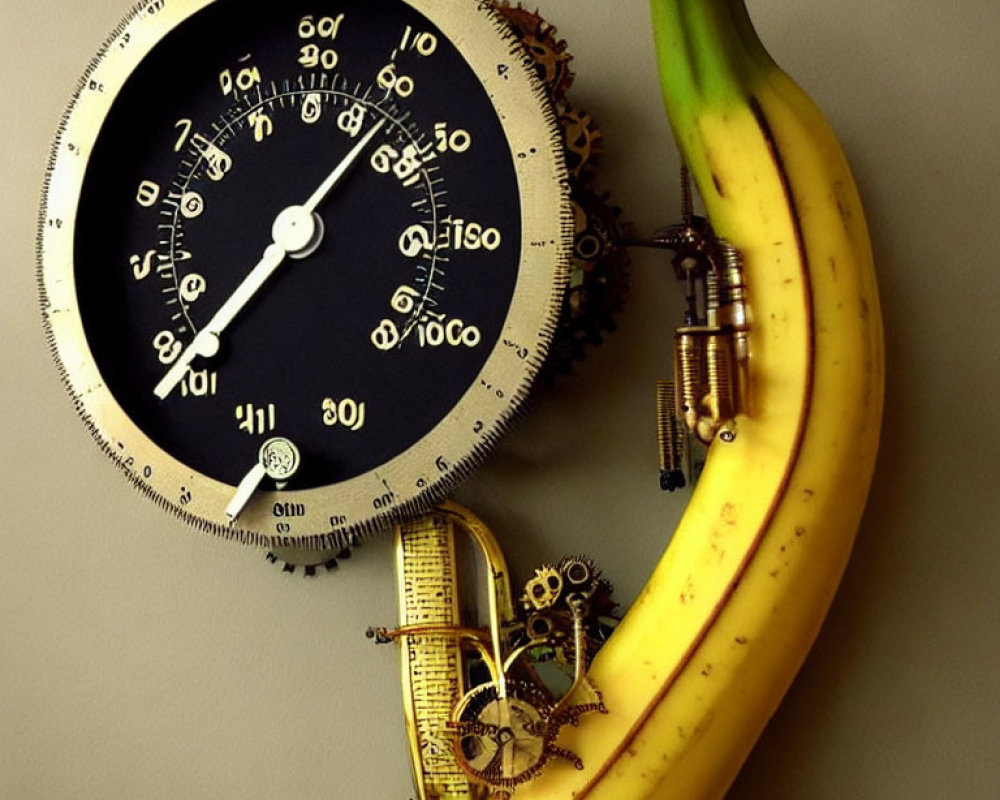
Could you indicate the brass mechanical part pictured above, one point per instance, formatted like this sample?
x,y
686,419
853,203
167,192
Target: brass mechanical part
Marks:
x,y
435,646
721,376
432,659
506,734
566,614
542,44
688,352
481,714
507,728
669,437
503,734
543,590
582,139
710,349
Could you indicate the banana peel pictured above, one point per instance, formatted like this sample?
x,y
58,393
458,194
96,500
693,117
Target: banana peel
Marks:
x,y
702,659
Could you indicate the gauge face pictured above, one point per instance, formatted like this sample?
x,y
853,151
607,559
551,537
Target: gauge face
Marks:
x,y
329,231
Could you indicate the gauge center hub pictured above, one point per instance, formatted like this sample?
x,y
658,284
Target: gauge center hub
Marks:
x,y
298,231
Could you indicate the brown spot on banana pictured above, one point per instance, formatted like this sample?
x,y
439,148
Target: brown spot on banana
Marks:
x,y
717,182
843,205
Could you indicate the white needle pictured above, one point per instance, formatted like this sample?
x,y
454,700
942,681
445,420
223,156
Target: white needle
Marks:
x,y
341,169
297,232
206,342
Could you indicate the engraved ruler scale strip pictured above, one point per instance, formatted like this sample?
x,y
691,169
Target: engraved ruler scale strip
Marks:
x,y
432,670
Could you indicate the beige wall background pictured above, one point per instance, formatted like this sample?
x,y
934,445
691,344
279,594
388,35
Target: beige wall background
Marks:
x,y
140,660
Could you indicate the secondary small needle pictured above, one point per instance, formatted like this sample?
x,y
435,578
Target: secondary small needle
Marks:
x,y
277,459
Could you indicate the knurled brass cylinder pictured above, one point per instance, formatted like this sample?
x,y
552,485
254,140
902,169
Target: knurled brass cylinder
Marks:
x,y
688,346
669,437
732,293
712,298
721,378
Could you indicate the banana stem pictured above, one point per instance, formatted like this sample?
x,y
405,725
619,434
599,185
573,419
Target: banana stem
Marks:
x,y
708,51
710,59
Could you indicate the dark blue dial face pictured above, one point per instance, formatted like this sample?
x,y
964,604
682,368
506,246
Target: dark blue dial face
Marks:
x,y
297,225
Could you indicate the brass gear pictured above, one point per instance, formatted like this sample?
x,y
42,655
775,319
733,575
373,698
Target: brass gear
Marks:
x,y
581,142
543,590
540,40
504,737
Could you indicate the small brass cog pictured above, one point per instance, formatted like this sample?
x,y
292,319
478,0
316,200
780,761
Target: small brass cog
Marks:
x,y
542,591
581,142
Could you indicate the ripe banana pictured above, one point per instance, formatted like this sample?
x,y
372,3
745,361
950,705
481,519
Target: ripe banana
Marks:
x,y
705,654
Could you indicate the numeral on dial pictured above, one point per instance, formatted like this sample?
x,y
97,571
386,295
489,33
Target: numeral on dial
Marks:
x,y
387,79
469,235
148,194
455,141
420,42
347,413
256,420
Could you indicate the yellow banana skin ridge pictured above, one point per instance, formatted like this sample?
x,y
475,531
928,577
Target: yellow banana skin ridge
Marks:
x,y
709,648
